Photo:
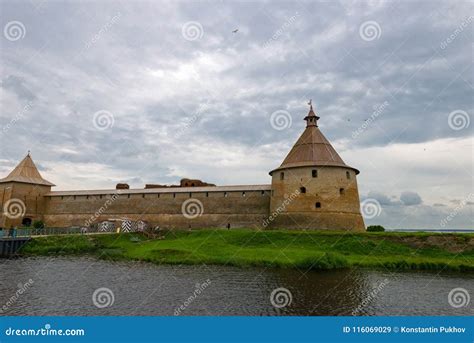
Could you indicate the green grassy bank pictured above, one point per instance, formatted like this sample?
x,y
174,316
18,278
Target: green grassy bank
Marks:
x,y
287,249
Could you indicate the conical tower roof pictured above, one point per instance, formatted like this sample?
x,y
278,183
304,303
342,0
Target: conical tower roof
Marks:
x,y
26,172
312,148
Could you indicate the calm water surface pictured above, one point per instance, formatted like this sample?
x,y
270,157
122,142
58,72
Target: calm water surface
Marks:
x,y
65,286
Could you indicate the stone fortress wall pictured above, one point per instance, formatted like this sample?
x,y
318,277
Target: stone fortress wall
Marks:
x,y
312,189
174,208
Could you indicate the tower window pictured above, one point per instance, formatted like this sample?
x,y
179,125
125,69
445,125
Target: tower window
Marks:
x,y
143,195
318,205
302,189
190,194
243,194
348,175
342,191
263,193
207,194
282,176
314,173
225,194
174,195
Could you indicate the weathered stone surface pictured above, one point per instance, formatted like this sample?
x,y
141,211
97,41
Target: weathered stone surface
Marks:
x,y
25,197
122,186
336,194
194,183
182,183
312,189
214,209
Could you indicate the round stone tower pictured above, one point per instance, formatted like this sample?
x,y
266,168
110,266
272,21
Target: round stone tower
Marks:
x,y
313,188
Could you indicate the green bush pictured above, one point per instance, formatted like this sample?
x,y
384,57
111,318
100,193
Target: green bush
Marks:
x,y
38,224
375,228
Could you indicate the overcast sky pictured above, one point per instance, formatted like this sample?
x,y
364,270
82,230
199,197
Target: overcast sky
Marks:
x,y
150,92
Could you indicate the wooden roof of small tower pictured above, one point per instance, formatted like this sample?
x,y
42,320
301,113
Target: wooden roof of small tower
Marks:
x,y
311,118
312,148
26,172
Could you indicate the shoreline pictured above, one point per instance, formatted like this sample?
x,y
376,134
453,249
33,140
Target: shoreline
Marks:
x,y
305,250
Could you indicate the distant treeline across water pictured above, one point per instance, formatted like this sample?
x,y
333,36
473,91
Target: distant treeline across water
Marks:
x,y
433,230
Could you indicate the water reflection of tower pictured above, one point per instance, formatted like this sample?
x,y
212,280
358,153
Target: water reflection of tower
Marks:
x,y
321,293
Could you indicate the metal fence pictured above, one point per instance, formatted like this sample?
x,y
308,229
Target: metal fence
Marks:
x,y
26,232
102,227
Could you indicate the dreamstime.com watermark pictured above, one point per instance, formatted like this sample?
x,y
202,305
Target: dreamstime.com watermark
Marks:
x,y
370,30
104,29
286,25
22,288
458,120
199,288
103,297
281,208
192,30
14,208
444,44
370,297
378,110
370,208
14,30
103,120
456,210
459,297
19,116
46,331
192,208
188,122
281,120
101,210
281,297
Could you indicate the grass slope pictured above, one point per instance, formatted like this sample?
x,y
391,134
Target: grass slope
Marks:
x,y
290,249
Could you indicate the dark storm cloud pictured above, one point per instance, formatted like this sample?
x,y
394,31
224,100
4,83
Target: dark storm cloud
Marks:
x,y
406,198
410,198
17,85
383,199
410,212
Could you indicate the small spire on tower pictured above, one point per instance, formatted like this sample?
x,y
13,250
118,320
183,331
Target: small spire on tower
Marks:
x,y
311,118
29,153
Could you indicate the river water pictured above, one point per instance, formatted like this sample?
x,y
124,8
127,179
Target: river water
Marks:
x,y
65,286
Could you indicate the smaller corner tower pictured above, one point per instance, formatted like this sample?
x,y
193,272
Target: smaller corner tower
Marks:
x,y
313,188
22,193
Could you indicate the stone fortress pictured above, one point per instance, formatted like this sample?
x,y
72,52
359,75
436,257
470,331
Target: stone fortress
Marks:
x,y
312,189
